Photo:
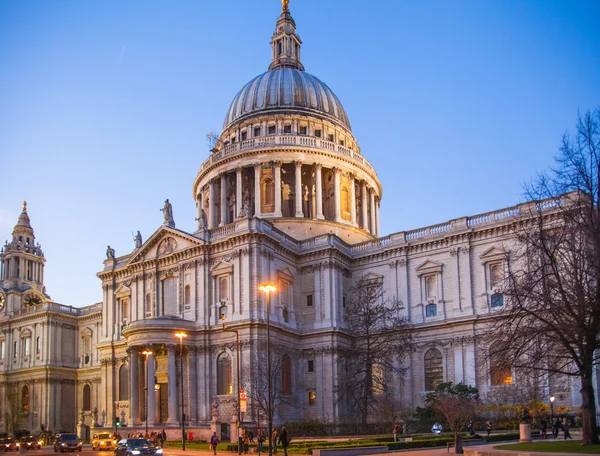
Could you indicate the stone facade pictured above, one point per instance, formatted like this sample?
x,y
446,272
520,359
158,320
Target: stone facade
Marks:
x,y
286,197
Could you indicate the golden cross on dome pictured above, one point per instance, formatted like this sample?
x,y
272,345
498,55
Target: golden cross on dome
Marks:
x,y
285,6
24,206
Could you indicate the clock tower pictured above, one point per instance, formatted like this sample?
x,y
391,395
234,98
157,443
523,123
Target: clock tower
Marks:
x,y
21,268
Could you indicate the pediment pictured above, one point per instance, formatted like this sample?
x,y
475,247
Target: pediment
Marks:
x,y
222,267
493,253
164,242
25,333
122,290
87,332
286,274
372,276
428,267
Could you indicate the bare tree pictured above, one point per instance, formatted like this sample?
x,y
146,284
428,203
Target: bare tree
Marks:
x,y
255,380
459,403
550,321
378,340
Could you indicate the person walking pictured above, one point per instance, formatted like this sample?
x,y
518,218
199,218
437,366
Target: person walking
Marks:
x,y
245,440
284,440
471,428
556,427
261,438
566,428
543,428
274,440
214,441
488,424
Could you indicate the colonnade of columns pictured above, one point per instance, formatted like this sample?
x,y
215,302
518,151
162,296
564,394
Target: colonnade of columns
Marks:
x,y
260,190
21,268
145,398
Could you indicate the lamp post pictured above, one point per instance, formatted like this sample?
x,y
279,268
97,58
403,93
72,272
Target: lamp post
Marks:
x,y
181,335
239,370
147,353
267,289
552,416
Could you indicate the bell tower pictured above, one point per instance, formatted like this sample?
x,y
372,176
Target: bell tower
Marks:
x,y
22,267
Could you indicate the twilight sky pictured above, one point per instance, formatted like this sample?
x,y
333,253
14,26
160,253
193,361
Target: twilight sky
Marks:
x,y
104,106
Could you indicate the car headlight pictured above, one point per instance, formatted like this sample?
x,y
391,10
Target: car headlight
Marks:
x,y
63,444
159,451
135,452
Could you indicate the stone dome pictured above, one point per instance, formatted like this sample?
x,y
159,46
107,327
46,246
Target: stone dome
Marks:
x,y
284,89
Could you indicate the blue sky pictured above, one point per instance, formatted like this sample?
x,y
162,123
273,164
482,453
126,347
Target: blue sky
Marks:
x,y
104,106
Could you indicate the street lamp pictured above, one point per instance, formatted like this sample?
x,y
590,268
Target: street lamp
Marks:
x,y
552,415
239,370
267,289
181,335
147,353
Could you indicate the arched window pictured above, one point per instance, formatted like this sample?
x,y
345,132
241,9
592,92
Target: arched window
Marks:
x,y
495,275
286,375
430,287
223,289
25,399
124,383
87,395
224,385
148,303
187,296
434,371
500,373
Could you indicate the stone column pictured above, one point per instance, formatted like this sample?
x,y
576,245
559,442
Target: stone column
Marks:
x,y
372,204
223,199
352,200
212,206
363,205
257,189
336,195
151,412
298,189
199,200
173,380
319,191
238,192
134,386
193,383
277,173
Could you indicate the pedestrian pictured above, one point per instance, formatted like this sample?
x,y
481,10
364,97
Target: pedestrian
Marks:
x,y
274,440
214,441
261,439
246,440
566,428
488,424
556,427
284,440
164,436
251,436
544,428
471,428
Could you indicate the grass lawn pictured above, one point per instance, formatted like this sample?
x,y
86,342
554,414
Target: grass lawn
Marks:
x,y
569,446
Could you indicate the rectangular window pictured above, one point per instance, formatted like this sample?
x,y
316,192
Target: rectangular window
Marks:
x,y
341,142
2,348
244,136
271,129
15,347
303,129
318,133
344,302
38,344
330,138
256,131
497,300
311,398
309,300
233,140
311,365
27,346
287,128
431,310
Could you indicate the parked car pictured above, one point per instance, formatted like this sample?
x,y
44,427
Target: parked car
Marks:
x,y
67,442
103,441
9,444
136,447
30,443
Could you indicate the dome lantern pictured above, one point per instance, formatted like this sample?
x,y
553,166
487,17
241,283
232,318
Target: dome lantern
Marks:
x,y
285,42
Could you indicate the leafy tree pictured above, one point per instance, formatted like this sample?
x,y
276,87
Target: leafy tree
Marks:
x,y
458,403
378,340
550,321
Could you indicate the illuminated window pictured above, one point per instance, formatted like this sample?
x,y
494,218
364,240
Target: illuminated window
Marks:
x,y
224,384
311,398
25,399
500,373
434,371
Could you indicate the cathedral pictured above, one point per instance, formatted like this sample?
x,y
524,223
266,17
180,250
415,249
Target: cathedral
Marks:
x,y
287,198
